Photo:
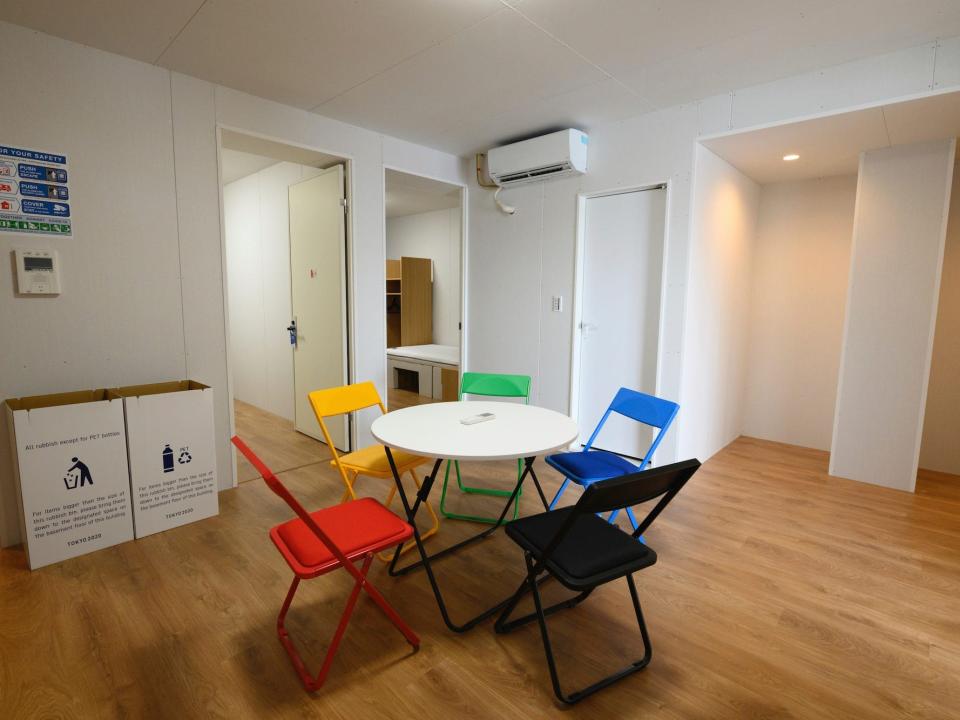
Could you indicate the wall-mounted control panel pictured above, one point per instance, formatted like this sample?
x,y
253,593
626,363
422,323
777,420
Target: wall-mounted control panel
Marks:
x,y
38,272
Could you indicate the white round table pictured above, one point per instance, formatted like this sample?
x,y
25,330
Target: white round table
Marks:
x,y
435,431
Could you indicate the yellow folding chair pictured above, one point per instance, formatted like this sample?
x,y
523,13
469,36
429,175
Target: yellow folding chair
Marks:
x,y
371,460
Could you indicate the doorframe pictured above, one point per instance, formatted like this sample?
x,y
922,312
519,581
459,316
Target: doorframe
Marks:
x,y
464,245
576,316
350,232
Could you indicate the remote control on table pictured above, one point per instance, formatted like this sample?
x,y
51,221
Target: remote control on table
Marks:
x,y
474,419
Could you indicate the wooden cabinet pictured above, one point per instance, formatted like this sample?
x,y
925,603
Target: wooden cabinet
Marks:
x,y
409,297
449,384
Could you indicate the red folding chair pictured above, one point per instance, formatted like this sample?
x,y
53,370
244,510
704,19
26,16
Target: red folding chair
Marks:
x,y
354,530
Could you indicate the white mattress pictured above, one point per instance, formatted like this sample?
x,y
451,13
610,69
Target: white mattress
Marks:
x,y
445,354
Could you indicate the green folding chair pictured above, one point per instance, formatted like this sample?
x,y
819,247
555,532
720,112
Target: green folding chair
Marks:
x,y
488,385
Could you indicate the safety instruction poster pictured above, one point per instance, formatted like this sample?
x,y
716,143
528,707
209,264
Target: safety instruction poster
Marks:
x,y
34,192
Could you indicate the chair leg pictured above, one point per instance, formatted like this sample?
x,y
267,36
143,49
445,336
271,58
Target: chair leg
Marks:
x,y
516,500
287,642
613,516
443,492
553,503
349,493
502,625
630,516
342,625
541,615
390,495
393,615
387,556
491,492
312,684
435,525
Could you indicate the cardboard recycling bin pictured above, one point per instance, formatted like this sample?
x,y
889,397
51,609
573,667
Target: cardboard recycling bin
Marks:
x,y
172,455
70,468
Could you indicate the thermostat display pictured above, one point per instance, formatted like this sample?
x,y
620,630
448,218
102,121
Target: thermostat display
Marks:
x,y
38,272
37,263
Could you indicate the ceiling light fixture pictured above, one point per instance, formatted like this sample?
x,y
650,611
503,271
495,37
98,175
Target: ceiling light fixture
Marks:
x,y
791,157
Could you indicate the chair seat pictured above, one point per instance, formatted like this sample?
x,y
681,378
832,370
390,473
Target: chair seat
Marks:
x,y
372,460
591,553
356,527
589,467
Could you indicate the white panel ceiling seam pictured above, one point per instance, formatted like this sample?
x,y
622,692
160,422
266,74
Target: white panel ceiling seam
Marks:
x,y
886,128
180,32
598,68
316,107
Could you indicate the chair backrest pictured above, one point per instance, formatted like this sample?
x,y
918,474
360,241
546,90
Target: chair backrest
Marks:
x,y
647,409
273,482
347,398
495,385
636,488
330,402
628,490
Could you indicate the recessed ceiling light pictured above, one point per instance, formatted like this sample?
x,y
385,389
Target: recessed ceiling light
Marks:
x,y
791,157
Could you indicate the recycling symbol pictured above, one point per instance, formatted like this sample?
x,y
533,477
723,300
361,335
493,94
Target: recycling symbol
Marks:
x,y
185,456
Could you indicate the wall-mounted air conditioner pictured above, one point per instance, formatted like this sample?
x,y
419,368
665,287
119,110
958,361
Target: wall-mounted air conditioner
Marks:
x,y
556,155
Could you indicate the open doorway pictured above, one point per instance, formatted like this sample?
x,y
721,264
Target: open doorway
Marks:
x,y
839,258
286,256
424,232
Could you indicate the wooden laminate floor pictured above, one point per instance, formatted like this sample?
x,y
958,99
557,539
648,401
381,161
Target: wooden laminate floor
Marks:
x,y
780,593
280,446
397,399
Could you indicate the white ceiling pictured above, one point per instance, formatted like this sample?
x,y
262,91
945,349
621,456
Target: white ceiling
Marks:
x,y
462,75
832,145
412,194
235,165
254,145
243,155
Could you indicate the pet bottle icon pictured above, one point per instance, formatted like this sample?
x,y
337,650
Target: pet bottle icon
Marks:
x,y
167,459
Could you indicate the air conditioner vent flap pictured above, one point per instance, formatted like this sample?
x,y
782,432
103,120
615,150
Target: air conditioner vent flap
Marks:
x,y
558,154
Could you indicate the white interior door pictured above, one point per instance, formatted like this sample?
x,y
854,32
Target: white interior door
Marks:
x,y
621,278
318,264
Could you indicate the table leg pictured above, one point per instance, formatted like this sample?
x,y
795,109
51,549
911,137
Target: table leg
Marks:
x,y
425,559
425,491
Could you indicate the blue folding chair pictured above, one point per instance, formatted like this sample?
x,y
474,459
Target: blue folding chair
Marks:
x,y
588,466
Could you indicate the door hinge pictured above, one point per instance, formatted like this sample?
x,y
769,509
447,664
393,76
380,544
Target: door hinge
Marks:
x,y
343,204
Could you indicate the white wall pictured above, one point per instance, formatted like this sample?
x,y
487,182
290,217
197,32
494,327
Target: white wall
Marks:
x,y
903,197
143,275
516,263
940,447
434,235
801,268
256,222
717,331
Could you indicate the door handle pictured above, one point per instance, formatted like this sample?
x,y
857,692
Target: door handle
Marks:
x,y
292,329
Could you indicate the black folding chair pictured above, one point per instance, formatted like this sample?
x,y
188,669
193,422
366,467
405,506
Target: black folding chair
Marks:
x,y
583,551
